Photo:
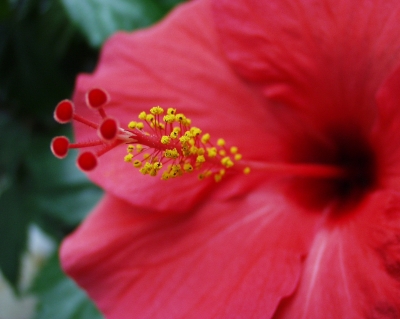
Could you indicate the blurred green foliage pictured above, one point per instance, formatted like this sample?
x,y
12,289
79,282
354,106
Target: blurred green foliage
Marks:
x,y
44,44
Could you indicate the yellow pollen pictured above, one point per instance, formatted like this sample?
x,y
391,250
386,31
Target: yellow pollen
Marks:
x,y
128,158
184,139
174,147
212,152
137,163
174,134
205,138
150,118
195,131
170,118
142,115
156,110
153,172
165,176
180,117
132,125
157,166
221,142
139,148
165,139
200,159
188,134
171,111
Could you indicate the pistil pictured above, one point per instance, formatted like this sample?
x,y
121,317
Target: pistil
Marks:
x,y
166,144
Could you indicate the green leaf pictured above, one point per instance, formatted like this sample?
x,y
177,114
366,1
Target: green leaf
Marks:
x,y
4,9
59,297
15,213
98,19
66,196
14,221
40,53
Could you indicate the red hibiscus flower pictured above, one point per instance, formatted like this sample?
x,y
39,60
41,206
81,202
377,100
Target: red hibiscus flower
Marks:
x,y
309,93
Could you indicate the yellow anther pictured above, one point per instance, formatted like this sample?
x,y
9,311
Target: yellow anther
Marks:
x,y
171,153
156,110
180,117
137,163
165,139
200,159
211,152
171,111
153,172
170,118
184,157
217,178
184,139
128,158
193,150
142,115
174,134
195,131
165,176
227,162
139,148
221,142
176,168
205,138
173,174
146,168
150,118
132,125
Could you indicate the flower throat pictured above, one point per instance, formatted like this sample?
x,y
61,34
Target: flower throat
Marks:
x,y
164,143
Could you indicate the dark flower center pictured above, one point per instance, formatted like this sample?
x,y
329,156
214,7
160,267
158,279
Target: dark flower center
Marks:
x,y
347,149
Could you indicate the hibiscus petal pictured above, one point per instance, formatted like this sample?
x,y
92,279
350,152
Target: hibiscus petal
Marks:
x,y
324,58
387,131
352,270
232,258
177,63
